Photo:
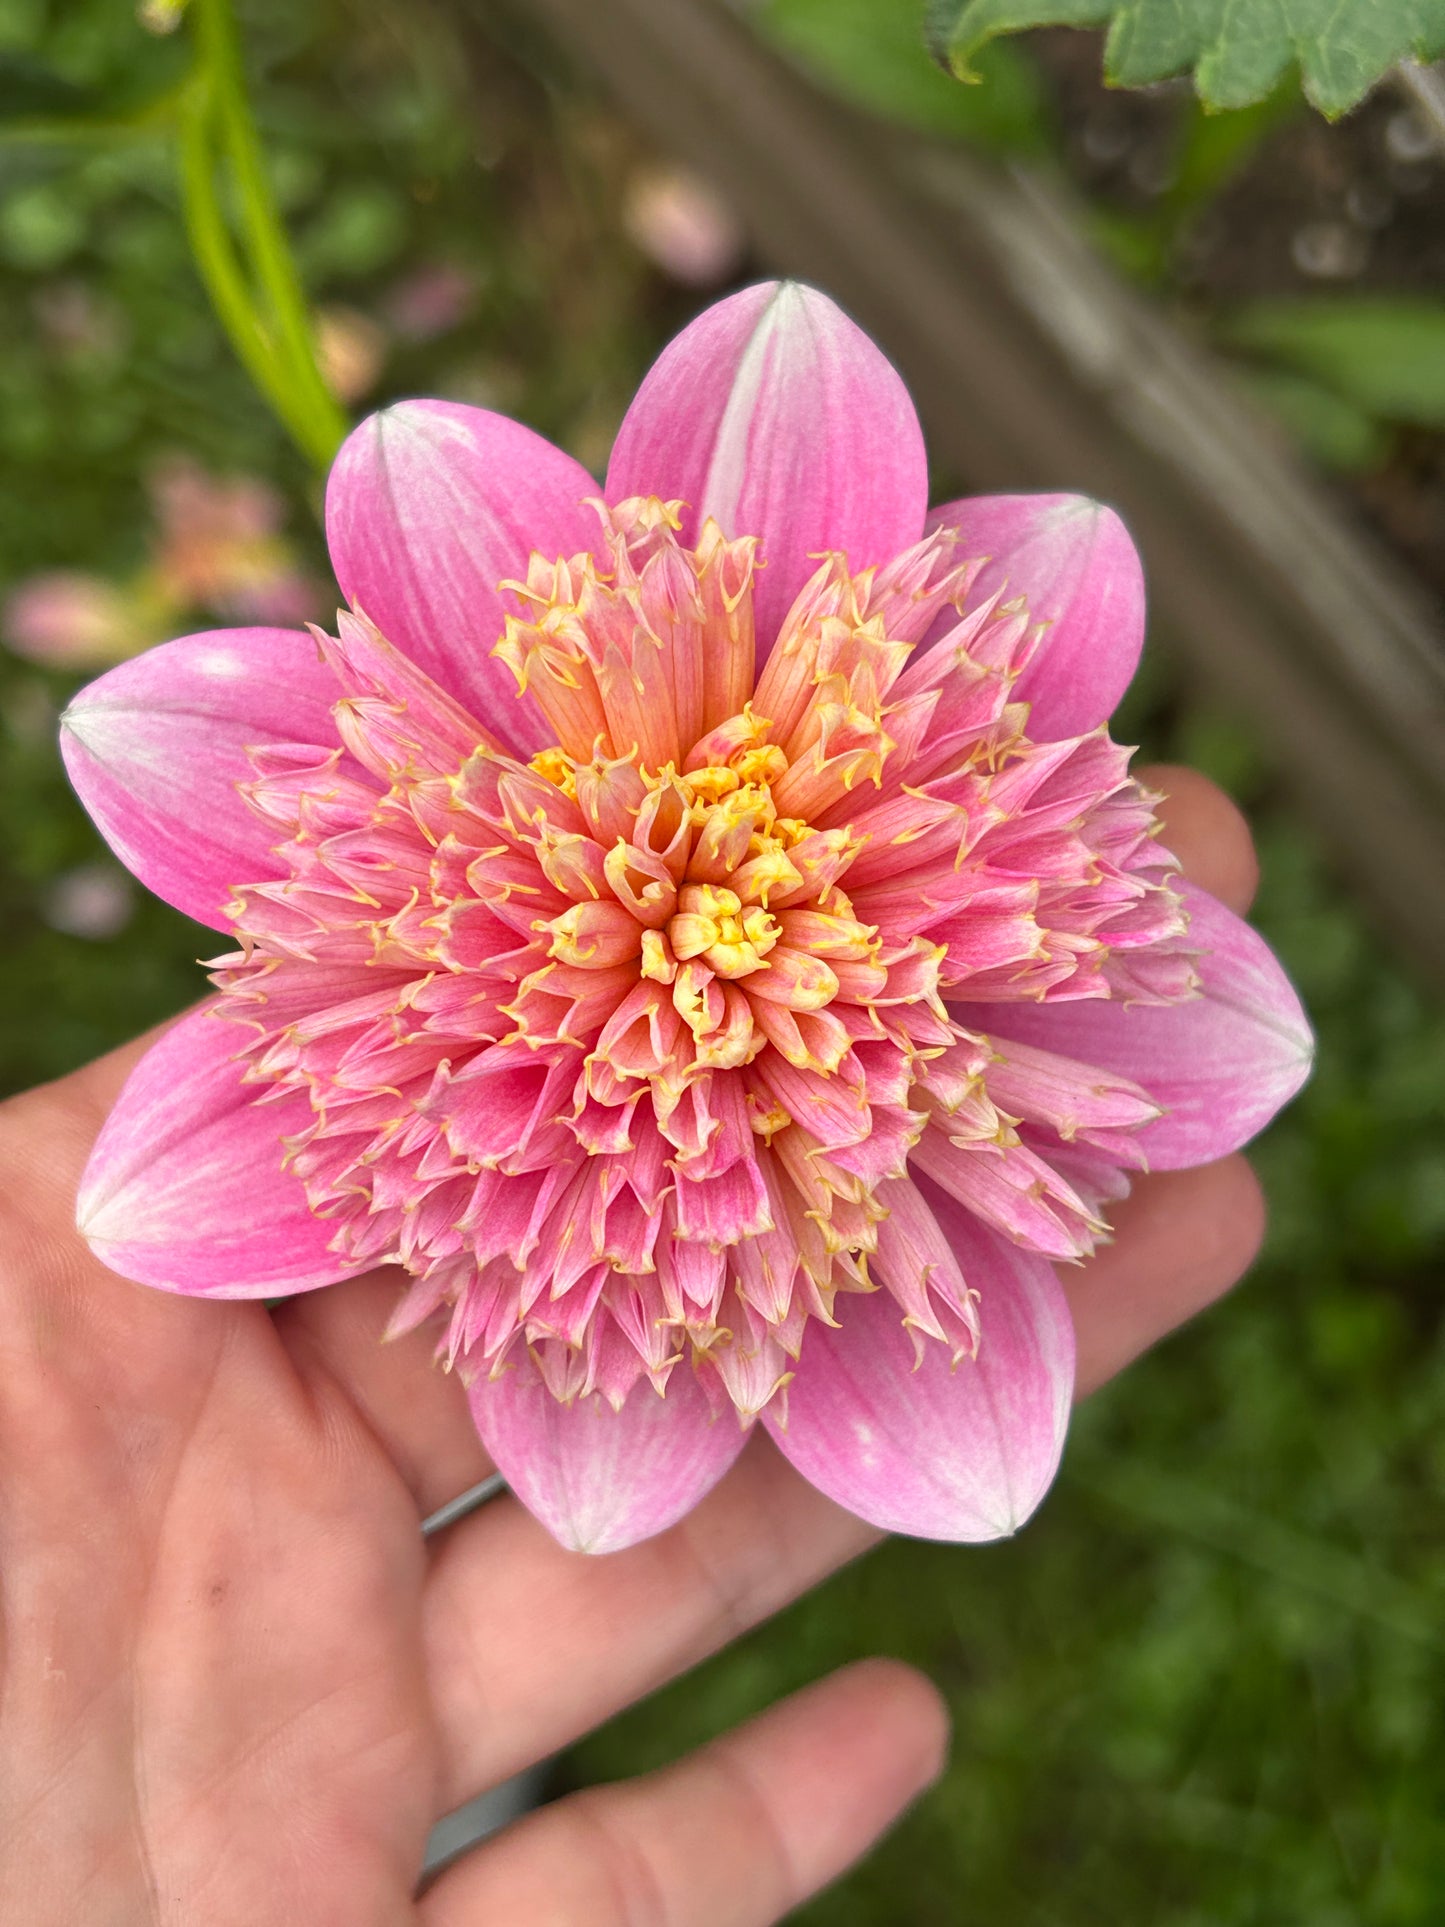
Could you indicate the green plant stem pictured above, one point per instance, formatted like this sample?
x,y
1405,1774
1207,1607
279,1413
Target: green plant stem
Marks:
x,y
270,251
272,335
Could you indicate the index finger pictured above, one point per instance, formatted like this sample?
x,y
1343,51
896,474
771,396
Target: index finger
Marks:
x,y
736,1835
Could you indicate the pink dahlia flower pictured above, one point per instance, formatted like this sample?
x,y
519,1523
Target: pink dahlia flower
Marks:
x,y
704,937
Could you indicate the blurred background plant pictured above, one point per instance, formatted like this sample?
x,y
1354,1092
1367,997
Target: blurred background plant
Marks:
x,y
216,547
1200,1689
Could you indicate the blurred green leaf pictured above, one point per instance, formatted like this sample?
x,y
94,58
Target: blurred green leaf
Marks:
x,y
1237,53
38,104
40,226
28,90
870,52
359,230
1214,1517
1137,243
1387,356
1331,430
1215,744
1216,147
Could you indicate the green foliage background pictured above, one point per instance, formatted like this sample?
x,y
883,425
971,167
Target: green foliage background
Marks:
x,y
1203,1687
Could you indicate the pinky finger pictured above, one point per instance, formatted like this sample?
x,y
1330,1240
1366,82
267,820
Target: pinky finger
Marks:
x,y
735,1835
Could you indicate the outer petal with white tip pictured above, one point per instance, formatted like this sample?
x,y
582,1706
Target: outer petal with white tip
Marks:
x,y
185,1188
779,418
939,1451
157,746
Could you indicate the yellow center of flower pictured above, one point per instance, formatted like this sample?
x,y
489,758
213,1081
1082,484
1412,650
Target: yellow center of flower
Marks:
x,y
716,884
702,842
732,938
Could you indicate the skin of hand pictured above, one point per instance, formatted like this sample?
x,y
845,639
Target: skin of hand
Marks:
x,y
236,1687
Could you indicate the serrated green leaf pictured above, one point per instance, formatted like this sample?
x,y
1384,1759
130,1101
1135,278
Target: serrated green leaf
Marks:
x,y
1384,356
1237,50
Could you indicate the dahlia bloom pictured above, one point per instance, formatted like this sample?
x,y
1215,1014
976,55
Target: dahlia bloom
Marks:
x,y
702,935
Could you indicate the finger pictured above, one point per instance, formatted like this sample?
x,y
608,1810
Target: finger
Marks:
x,y
1182,1239
528,1645
1207,832
417,1411
735,1835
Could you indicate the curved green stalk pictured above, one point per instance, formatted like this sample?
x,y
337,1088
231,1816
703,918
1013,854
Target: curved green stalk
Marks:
x,y
215,257
272,333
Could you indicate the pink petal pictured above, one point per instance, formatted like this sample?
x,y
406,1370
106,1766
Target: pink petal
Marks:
x,y
960,1452
1074,562
185,1190
156,747
597,1479
778,417
430,506
1221,1065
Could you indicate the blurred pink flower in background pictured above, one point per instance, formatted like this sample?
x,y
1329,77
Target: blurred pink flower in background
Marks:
x,y
683,225
69,620
94,901
221,547
77,320
351,351
430,301
218,549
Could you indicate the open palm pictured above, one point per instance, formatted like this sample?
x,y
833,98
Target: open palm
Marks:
x,y
237,1685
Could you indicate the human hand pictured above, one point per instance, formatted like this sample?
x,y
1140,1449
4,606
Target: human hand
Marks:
x,y
237,1685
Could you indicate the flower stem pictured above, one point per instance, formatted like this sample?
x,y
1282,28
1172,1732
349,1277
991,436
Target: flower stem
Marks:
x,y
256,290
